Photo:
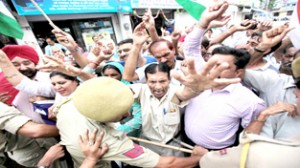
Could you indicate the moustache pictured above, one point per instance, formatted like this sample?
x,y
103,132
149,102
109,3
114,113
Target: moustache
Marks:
x,y
30,73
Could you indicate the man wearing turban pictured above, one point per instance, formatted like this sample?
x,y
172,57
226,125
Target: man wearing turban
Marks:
x,y
23,75
18,64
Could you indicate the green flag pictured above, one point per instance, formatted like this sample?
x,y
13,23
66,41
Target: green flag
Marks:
x,y
194,7
8,24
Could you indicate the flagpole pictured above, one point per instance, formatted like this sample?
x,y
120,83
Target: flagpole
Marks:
x,y
44,14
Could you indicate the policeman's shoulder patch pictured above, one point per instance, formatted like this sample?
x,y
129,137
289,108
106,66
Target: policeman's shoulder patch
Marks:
x,y
135,152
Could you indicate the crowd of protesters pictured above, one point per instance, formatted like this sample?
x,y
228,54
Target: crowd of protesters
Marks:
x,y
214,87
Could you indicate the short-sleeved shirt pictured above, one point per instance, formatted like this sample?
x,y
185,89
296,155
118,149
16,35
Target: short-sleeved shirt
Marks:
x,y
160,118
71,124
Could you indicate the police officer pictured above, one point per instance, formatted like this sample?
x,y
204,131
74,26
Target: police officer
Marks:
x,y
99,101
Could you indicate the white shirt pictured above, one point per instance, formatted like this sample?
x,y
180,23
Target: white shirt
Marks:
x,y
40,86
161,118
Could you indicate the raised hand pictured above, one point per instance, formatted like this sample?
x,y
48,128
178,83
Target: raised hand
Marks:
x,y
55,64
266,25
219,23
272,37
148,19
206,79
140,35
65,39
245,25
101,51
214,12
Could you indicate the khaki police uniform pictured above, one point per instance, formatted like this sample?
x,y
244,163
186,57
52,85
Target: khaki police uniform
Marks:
x,y
25,151
262,152
2,149
71,124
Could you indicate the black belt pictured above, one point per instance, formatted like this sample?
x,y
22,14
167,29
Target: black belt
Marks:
x,y
176,136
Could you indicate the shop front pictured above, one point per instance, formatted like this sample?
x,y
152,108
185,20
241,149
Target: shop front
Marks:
x,y
81,18
163,11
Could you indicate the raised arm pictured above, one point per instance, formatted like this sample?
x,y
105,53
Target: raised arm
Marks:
x,y
67,40
269,39
55,64
149,22
245,25
193,40
196,82
175,37
139,38
9,70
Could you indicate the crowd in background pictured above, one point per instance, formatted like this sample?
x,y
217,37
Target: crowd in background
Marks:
x,y
207,86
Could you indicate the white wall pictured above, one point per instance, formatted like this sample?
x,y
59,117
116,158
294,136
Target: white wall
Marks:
x,y
182,20
125,26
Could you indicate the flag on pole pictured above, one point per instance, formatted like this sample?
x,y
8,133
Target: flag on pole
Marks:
x,y
8,24
295,22
194,7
